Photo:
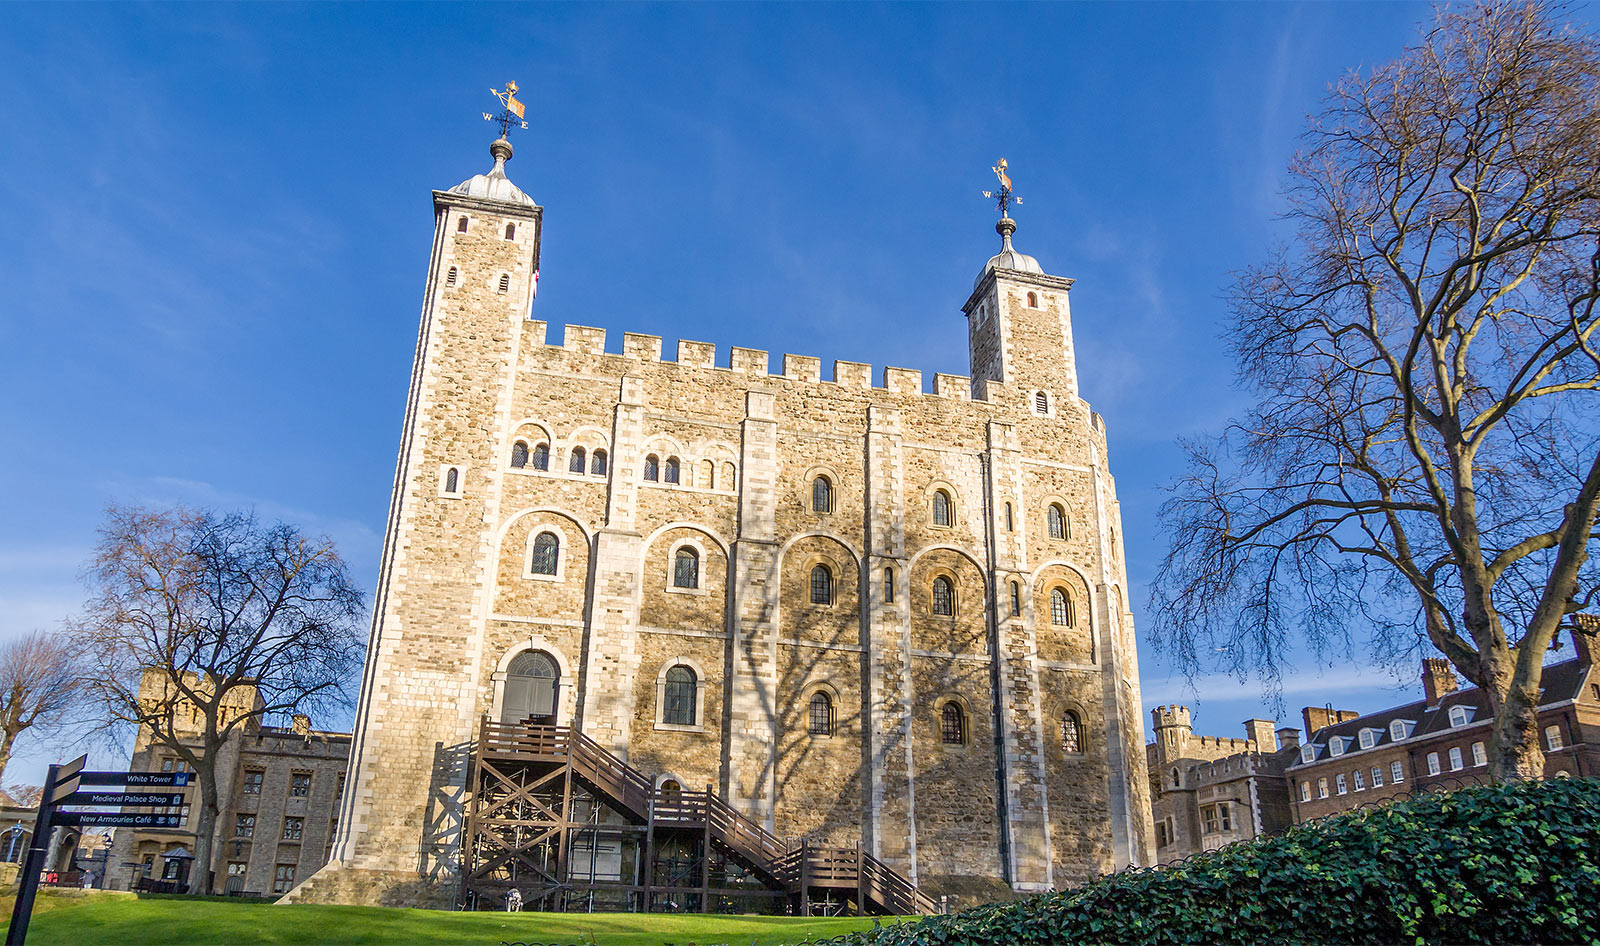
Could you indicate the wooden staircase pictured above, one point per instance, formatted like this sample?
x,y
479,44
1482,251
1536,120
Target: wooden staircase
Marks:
x,y
552,757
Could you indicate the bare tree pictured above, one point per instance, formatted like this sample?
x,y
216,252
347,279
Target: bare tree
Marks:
x,y
200,626
1423,458
38,687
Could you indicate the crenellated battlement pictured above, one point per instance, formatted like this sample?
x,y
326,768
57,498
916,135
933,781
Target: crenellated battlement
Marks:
x,y
803,369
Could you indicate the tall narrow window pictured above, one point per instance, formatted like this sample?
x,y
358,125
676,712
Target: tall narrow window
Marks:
x,y
821,713
708,475
1455,758
505,282
678,704
546,553
1433,763
952,725
450,277
1033,300
1058,522
1010,525
821,495
652,468
519,455
1060,607
944,598
597,463
821,585
1480,755
1552,738
672,470
728,481
461,225
541,456
1071,735
941,508
511,231
888,586
686,569
1016,599
452,480
576,463
1041,402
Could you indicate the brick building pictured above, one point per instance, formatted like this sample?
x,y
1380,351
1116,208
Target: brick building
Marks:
x,y
1349,760
280,791
866,615
1207,791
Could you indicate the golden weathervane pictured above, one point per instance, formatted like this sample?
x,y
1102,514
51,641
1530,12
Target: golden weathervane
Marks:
x,y
512,111
1003,196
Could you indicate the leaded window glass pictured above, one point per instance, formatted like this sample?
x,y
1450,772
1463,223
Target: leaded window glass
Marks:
x,y
672,470
1071,736
652,468
678,708
944,598
1060,608
541,457
686,569
952,725
1058,522
821,495
576,463
519,455
546,554
941,508
821,585
821,713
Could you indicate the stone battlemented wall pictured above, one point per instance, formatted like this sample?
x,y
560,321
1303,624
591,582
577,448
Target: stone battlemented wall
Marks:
x,y
457,599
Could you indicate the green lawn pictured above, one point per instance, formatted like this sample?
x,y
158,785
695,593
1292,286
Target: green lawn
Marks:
x,y
120,919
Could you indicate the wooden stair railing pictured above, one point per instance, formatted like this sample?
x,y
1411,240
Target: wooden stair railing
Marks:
x,y
790,867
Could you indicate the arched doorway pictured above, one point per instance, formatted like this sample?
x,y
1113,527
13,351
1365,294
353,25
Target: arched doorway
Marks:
x,y
532,682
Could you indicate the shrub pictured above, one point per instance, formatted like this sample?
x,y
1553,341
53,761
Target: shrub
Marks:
x,y
1514,863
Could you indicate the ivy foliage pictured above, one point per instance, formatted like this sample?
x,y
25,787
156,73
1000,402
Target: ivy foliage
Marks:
x,y
1512,863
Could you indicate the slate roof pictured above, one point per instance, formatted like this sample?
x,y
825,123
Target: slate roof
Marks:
x,y
1562,681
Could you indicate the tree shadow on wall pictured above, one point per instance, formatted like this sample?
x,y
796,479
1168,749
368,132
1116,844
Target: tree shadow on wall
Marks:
x,y
444,822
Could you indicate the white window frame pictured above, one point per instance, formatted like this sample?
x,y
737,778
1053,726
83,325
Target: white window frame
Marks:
x,y
1397,772
1305,791
1458,716
1377,776
1335,745
1433,763
672,560
1308,754
1397,730
1322,788
1358,780
1366,739
1552,739
561,553
700,684
1480,755
461,480
1457,759
1339,784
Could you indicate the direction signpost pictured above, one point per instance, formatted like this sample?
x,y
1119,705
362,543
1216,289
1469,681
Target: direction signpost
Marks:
x,y
62,786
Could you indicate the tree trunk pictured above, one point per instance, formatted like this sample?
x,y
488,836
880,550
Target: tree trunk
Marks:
x,y
206,826
7,738
1514,751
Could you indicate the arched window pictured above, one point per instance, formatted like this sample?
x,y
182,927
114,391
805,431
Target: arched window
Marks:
x,y
821,495
944,597
708,475
1058,522
821,585
505,282
672,470
452,480
511,231
1041,402
941,508
575,464
686,568
530,687
677,708
652,468
670,787
461,225
519,455
821,713
597,463
1010,524
888,585
728,481
546,554
1033,300
952,725
1016,599
1071,733
450,277
1060,607
541,456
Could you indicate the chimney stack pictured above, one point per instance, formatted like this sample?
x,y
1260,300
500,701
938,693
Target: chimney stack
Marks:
x,y
1288,738
1584,629
1259,731
1437,679
1318,717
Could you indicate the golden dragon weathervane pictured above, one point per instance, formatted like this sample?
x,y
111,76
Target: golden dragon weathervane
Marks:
x,y
1003,196
512,112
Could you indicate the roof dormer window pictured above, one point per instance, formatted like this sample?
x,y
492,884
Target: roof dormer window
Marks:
x,y
1308,753
1336,745
1458,716
1367,739
1397,730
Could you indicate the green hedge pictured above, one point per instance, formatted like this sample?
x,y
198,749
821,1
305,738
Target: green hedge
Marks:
x,y
1517,863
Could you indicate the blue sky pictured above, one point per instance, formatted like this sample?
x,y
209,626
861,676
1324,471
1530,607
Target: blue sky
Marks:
x,y
218,220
